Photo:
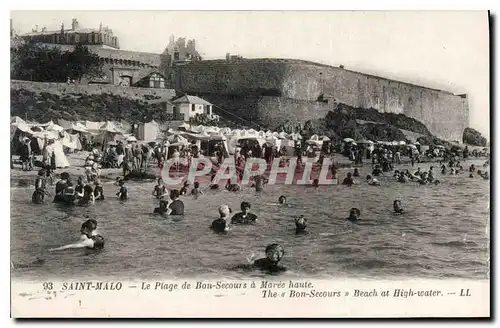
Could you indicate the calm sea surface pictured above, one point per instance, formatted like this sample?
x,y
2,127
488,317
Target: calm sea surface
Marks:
x,y
443,234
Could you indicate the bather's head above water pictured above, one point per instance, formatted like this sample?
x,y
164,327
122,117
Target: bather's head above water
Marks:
x,y
88,226
354,214
397,206
275,253
282,200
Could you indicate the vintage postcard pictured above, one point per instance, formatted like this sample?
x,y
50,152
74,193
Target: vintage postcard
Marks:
x,y
278,164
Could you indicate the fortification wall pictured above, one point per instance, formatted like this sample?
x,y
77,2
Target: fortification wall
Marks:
x,y
269,111
445,114
93,89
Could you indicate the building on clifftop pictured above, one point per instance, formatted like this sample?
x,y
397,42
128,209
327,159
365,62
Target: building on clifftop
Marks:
x,y
102,36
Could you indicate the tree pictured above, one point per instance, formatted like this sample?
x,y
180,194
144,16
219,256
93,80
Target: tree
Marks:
x,y
37,62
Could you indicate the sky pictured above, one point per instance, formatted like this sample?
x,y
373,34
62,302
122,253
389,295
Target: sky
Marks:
x,y
447,50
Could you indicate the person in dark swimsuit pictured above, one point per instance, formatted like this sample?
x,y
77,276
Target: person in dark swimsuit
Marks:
x,y
244,217
348,181
88,196
282,200
98,191
162,209
60,187
356,173
79,186
68,195
377,171
184,189
232,186
123,192
160,190
196,189
274,254
176,207
39,193
300,225
221,225
354,215
89,238
398,209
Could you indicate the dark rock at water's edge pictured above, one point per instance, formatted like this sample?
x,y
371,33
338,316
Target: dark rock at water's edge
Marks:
x,y
473,137
44,106
359,123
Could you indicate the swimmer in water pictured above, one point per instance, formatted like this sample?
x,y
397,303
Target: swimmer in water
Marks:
x,y
282,200
244,217
88,196
258,183
356,173
372,181
89,238
221,225
123,192
315,183
397,207
98,191
300,225
184,189
160,191
348,181
354,215
162,209
232,186
471,175
274,254
176,207
196,189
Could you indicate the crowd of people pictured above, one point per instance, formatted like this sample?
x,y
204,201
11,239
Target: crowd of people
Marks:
x,y
136,157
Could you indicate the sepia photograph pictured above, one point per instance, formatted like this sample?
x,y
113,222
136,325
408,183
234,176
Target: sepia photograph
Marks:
x,y
264,154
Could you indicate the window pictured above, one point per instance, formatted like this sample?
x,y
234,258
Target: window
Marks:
x,y
193,107
156,81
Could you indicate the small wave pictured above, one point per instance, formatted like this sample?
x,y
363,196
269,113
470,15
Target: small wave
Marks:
x,y
343,250
369,264
456,243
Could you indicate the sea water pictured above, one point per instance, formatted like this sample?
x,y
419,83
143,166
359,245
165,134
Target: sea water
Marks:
x,y
444,232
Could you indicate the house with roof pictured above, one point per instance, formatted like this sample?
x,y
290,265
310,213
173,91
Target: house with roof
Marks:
x,y
189,106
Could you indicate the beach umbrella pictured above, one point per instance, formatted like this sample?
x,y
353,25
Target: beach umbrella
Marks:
x,y
402,143
364,141
175,138
412,146
325,138
131,139
348,140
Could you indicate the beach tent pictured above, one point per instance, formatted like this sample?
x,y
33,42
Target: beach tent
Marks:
x,y
148,131
348,140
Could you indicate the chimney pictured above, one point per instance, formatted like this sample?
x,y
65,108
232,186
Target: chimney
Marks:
x,y
62,28
100,27
74,24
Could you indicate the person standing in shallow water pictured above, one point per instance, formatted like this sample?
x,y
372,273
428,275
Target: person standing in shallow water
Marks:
x,y
123,192
160,190
244,217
